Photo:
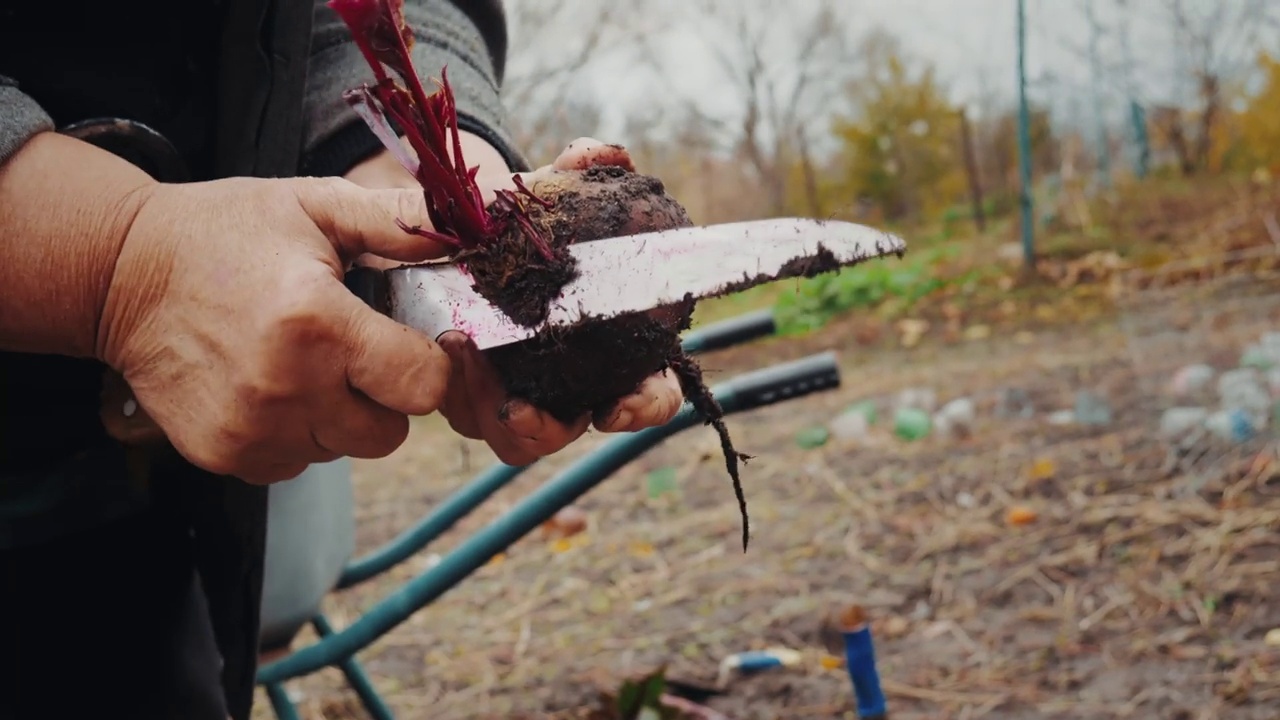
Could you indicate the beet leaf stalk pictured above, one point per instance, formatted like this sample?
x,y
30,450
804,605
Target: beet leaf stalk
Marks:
x,y
455,205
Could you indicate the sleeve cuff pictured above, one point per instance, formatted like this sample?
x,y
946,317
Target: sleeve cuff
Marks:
x,y
20,119
336,139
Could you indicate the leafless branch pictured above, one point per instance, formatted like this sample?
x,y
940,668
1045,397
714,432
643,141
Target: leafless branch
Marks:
x,y
779,59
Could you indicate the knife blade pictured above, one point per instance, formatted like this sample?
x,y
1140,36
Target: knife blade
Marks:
x,y
634,273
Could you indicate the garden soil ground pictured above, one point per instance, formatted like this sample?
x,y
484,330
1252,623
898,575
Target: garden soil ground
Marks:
x,y
1139,591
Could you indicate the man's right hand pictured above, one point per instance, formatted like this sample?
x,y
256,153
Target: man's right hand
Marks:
x,y
225,311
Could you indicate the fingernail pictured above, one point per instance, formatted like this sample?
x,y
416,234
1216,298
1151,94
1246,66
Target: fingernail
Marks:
x,y
505,412
511,408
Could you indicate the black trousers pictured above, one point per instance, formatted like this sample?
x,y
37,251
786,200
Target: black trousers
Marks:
x,y
110,622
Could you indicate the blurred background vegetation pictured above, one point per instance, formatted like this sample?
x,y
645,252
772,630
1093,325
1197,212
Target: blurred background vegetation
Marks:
x,y
1151,122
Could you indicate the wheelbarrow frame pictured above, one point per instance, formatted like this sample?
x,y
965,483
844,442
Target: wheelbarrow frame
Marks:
x,y
338,648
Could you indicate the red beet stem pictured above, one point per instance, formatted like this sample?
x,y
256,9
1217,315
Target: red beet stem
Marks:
x,y
455,204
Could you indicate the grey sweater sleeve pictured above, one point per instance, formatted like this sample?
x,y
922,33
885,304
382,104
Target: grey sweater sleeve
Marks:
x,y
20,118
467,36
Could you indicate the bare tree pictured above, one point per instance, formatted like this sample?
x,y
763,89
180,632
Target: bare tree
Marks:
x,y
554,45
1213,45
784,62
1218,46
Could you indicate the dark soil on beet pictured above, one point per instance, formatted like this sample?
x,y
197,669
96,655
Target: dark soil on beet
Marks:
x,y
585,368
588,367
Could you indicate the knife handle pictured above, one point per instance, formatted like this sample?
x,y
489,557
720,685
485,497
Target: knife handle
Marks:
x,y
370,285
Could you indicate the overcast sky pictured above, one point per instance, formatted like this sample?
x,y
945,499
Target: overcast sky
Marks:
x,y
971,43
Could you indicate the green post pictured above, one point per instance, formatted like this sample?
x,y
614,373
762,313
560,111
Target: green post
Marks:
x,y
1024,143
1137,113
1138,117
1095,72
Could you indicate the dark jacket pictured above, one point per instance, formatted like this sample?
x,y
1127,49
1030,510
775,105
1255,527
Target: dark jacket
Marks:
x,y
241,88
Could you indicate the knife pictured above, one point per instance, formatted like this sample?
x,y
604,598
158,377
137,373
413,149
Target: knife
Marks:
x,y
615,276
628,274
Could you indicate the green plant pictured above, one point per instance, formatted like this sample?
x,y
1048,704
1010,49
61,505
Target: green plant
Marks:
x,y
815,301
638,699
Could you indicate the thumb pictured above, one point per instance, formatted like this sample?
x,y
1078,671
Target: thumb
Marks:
x,y
587,152
395,365
359,220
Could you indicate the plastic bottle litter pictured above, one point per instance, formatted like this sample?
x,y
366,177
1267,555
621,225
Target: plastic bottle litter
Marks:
x,y
1264,354
955,419
867,409
1272,638
1062,417
1177,422
1191,379
754,661
911,423
918,399
813,437
1255,357
1233,425
1242,388
1092,409
1014,403
849,425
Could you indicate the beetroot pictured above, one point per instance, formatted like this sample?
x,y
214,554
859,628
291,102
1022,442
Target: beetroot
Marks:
x,y
516,248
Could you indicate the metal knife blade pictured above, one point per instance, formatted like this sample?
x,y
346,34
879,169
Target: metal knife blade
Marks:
x,y
640,272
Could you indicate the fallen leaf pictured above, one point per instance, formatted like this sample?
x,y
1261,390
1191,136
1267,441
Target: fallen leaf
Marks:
x,y
1045,313
830,662
569,543
1043,469
570,521
640,549
497,559
1020,515
977,332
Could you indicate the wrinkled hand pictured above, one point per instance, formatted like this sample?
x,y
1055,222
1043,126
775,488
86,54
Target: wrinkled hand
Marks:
x,y
228,317
476,405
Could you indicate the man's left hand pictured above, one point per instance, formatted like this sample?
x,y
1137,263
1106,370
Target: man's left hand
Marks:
x,y
476,405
